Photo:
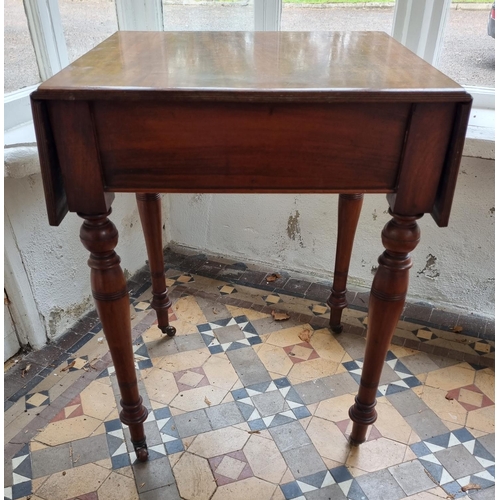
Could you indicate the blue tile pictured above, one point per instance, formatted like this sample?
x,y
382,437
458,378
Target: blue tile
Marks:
x,y
7,404
463,435
86,338
257,425
280,420
21,490
341,474
420,449
241,319
442,439
412,382
205,327
260,387
26,389
249,328
167,429
254,340
301,412
281,382
491,470
292,395
356,492
351,365
399,367
435,470
142,351
162,413
246,410
112,425
207,338
24,468
23,451
215,349
454,489
120,461
394,389
144,364
239,394
235,345
314,479
97,328
481,452
484,483
390,356
174,446
291,490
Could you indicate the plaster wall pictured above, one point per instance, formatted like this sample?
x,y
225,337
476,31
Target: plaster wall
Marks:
x,y
453,267
54,260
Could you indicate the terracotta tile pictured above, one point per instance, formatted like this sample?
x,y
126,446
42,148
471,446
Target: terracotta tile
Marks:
x,y
328,439
376,455
219,442
451,377
248,489
68,430
117,486
264,458
77,481
194,477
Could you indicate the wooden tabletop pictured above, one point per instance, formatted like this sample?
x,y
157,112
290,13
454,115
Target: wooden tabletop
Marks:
x,y
260,65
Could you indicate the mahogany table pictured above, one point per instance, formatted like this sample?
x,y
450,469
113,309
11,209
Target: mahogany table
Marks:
x,y
249,112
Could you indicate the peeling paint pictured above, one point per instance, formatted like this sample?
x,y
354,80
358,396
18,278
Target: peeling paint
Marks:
x,y
374,214
58,315
492,210
293,228
430,270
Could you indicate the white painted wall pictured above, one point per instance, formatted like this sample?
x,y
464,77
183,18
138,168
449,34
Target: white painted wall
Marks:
x,y
298,232
54,260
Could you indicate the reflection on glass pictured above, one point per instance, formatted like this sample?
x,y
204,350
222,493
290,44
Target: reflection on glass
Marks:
x,y
468,54
20,68
295,17
189,15
86,24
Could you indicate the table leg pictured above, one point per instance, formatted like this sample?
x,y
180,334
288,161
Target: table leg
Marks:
x,y
149,205
348,216
387,298
109,288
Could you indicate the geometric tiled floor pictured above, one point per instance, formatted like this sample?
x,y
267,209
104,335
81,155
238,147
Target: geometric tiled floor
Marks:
x,y
246,407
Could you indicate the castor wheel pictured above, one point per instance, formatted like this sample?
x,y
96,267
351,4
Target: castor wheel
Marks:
x,y
169,330
141,454
337,328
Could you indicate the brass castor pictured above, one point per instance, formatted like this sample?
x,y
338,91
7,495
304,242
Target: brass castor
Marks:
x,y
337,328
142,453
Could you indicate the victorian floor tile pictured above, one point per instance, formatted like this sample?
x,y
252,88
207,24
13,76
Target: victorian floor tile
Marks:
x,y
244,406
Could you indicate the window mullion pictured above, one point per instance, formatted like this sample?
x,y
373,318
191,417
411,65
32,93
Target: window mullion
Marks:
x,y
267,15
143,15
419,25
44,22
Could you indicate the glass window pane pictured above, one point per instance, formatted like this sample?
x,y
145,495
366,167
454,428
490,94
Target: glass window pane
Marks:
x,y
304,16
217,16
20,68
86,24
468,54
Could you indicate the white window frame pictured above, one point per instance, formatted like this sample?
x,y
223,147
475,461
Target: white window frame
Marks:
x,y
418,24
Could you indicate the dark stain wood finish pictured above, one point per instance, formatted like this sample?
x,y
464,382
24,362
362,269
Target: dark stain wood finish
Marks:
x,y
400,236
149,205
348,216
263,112
109,289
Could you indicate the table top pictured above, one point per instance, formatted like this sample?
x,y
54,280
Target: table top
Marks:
x,y
259,65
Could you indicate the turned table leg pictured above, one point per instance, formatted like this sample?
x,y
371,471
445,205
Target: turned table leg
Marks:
x,y
387,298
109,288
149,205
348,216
